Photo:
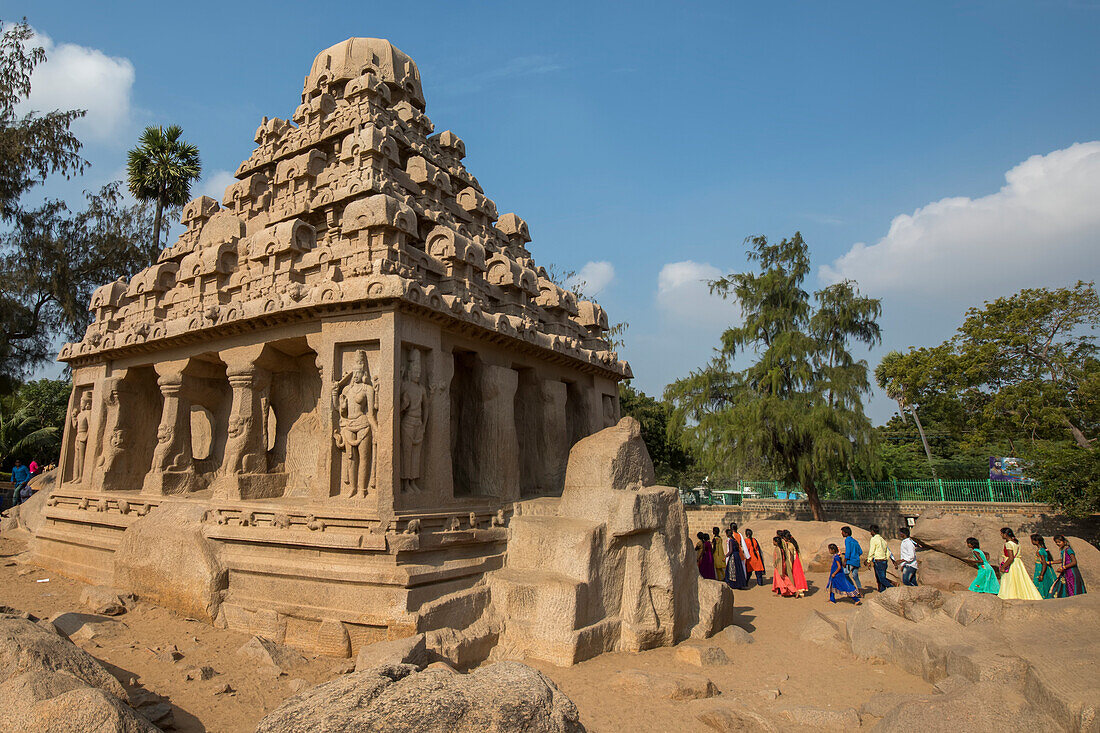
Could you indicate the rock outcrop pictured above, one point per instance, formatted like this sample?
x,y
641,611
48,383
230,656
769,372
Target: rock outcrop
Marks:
x,y
995,651
165,558
47,683
609,568
501,697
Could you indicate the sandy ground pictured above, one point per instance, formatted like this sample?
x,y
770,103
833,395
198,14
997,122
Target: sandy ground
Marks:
x,y
133,649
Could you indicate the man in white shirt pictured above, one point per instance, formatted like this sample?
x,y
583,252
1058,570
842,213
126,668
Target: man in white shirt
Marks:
x,y
908,558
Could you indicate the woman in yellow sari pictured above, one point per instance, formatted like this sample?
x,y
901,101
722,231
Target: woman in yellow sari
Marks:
x,y
1016,581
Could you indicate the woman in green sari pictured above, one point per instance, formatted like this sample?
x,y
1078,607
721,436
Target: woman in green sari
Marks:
x,y
1043,575
986,582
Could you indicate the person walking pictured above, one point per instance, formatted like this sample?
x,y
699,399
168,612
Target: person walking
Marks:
x,y
781,581
878,555
1069,581
908,557
839,582
737,557
20,475
1016,583
986,580
798,574
1043,575
852,554
754,562
34,468
718,551
704,556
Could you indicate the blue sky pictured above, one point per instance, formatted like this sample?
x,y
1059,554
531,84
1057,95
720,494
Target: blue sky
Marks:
x,y
650,139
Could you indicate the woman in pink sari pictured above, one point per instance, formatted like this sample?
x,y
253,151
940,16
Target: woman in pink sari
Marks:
x,y
781,580
798,575
704,556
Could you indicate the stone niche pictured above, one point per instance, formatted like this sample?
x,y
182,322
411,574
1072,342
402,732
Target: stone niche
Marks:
x,y
329,393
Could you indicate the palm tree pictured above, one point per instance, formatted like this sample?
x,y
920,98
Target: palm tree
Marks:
x,y
161,169
21,429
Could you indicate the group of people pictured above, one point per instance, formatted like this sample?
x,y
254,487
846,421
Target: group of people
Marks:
x,y
21,476
1049,578
732,559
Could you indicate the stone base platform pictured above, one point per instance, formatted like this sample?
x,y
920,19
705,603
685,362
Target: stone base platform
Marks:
x,y
327,578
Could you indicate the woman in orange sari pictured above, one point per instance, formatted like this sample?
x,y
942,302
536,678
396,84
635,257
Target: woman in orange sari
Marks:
x,y
754,560
781,581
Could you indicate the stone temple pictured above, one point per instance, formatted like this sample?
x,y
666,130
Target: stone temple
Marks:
x,y
340,408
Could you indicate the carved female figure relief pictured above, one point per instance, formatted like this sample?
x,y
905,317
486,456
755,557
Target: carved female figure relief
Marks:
x,y
414,411
81,420
355,400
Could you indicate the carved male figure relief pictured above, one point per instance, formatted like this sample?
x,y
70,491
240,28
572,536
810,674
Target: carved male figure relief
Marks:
x,y
81,419
414,410
355,400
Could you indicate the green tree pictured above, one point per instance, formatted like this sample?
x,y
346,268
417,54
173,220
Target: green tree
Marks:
x,y
892,374
160,170
33,145
51,262
1069,476
21,430
673,465
798,408
1021,369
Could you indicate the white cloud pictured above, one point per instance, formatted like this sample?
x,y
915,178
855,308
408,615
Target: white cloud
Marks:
x,y
594,277
213,184
682,291
1041,229
77,77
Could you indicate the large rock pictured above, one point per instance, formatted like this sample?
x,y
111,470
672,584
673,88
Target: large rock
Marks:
x,y
667,685
47,683
1028,650
106,601
163,557
506,696
943,571
267,654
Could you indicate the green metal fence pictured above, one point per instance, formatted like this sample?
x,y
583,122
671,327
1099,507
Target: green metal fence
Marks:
x,y
893,490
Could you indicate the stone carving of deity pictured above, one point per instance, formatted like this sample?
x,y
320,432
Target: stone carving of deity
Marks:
x,y
355,400
116,439
81,419
414,413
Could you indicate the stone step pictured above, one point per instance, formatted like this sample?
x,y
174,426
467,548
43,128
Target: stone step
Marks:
x,y
568,546
551,602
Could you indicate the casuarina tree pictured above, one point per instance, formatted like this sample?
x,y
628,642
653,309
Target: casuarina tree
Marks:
x,y
797,408
160,171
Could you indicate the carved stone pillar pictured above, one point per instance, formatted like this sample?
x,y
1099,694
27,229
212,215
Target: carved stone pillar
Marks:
x,y
172,471
438,441
553,438
245,469
497,447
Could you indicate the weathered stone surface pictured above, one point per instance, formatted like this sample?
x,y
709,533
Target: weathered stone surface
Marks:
x,y
106,601
265,653
943,571
668,685
49,684
988,643
715,608
84,626
734,635
819,629
410,650
500,697
163,557
727,716
702,655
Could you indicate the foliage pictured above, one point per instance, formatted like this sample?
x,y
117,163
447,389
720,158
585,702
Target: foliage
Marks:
x,y
51,262
160,171
34,145
1069,476
797,410
672,464
23,434
1021,368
